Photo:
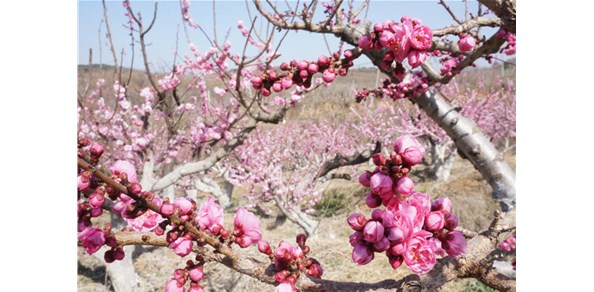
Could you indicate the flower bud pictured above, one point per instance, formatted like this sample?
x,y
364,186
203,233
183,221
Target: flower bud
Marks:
x,y
378,159
264,247
196,273
357,221
277,86
364,178
348,54
300,239
312,68
372,200
119,254
434,221
361,254
404,186
442,204
287,82
323,61
96,150
257,82
135,188
395,261
167,209
466,43
382,245
451,221
328,76
373,231
365,42
315,270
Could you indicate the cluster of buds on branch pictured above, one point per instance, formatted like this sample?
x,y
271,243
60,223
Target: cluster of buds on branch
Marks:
x,y
289,261
411,229
181,222
301,73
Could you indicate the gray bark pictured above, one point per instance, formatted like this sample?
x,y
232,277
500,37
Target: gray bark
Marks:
x,y
297,216
442,163
474,145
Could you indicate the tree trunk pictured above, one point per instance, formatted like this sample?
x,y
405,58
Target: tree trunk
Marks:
x,y
441,164
295,214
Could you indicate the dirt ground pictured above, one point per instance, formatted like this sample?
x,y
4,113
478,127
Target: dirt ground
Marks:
x,y
469,193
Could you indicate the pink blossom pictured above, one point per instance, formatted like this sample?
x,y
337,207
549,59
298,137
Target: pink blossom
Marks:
x,y
466,43
416,58
247,228
122,166
264,247
209,214
404,186
184,205
196,273
92,239
401,44
174,286
380,184
148,220
420,37
434,221
422,203
455,243
419,255
373,231
285,287
447,66
410,149
361,254
182,246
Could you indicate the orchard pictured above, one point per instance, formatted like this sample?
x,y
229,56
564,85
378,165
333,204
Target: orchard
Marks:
x,y
191,156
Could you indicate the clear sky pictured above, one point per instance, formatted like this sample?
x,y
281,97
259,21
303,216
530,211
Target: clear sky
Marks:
x,y
164,36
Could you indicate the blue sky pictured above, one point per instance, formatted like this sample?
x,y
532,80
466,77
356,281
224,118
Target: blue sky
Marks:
x,y
164,36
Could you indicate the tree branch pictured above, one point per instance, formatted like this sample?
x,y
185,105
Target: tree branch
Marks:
x,y
339,160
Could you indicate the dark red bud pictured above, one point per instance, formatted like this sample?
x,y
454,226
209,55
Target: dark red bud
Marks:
x,y
96,150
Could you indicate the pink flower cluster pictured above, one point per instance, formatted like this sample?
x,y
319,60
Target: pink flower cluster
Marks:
x,y
169,82
510,48
289,260
508,244
193,272
300,73
411,85
407,39
411,229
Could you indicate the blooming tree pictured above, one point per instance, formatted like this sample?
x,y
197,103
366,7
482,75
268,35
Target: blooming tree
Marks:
x,y
138,144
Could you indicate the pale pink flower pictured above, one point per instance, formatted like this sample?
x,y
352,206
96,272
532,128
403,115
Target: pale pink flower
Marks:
x,y
380,184
174,286
182,246
184,205
285,287
122,166
247,228
209,214
92,239
148,220
454,244
419,255
361,254
466,43
373,231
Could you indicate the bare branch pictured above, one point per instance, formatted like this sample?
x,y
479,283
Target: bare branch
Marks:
x,y
111,46
339,160
468,25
